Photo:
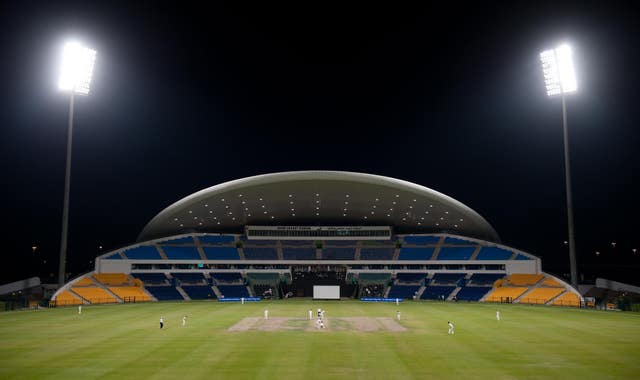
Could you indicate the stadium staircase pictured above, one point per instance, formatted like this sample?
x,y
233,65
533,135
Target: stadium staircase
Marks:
x,y
217,291
396,254
161,252
454,293
241,253
106,289
358,250
199,248
279,250
183,293
474,255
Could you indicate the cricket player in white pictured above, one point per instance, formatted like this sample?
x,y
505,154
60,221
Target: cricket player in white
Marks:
x,y
161,322
266,314
398,315
450,328
184,321
310,314
79,309
498,315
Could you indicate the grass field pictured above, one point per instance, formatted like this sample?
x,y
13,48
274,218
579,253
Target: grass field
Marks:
x,y
125,342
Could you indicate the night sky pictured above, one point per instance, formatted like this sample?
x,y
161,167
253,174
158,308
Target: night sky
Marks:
x,y
451,98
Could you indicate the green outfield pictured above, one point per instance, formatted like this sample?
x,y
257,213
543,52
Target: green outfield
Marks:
x,y
361,341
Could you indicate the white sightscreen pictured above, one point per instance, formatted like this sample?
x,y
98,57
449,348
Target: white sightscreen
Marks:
x,y
326,292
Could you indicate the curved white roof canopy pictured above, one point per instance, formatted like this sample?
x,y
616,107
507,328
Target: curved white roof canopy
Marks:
x,y
318,198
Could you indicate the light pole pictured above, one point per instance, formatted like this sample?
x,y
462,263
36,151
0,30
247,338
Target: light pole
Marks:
x,y
560,79
75,78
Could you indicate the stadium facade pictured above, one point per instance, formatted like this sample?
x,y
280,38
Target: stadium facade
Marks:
x,y
279,235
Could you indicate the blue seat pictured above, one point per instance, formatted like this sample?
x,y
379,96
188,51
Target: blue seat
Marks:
x,y
216,239
199,292
181,253
299,253
434,292
143,252
421,240
456,253
221,253
493,253
233,291
376,253
416,253
164,293
472,293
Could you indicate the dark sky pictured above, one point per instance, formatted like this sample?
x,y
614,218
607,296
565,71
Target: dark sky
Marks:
x,y
451,98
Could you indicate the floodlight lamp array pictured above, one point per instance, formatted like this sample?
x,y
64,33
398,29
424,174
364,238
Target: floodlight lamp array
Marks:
x,y
559,74
77,68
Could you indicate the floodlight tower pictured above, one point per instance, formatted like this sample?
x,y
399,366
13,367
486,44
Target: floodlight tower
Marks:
x,y
75,78
560,79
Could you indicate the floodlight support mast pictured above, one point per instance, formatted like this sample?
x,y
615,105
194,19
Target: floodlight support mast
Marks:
x,y
65,209
567,174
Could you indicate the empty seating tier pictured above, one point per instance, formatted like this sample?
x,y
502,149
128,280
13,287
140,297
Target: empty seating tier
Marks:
x,y
165,293
338,253
189,278
221,253
227,277
199,292
421,240
113,279
94,294
524,279
437,292
472,293
66,298
233,291
567,299
540,296
260,254
452,240
455,253
216,239
415,253
550,282
144,252
505,294
130,293
376,253
151,278
403,291
181,240
84,281
447,278
181,253
494,253
299,253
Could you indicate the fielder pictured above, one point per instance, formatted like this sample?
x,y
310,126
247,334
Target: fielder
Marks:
x,y
450,328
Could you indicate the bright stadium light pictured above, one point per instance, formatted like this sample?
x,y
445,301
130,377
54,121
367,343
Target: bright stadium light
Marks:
x,y
75,77
560,79
77,68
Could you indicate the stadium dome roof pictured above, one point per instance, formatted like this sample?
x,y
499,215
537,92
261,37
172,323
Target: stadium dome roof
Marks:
x,y
318,198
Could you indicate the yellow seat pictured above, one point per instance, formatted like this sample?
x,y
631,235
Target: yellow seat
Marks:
x,y
567,299
94,294
84,281
505,293
66,298
550,282
130,293
540,296
524,279
113,279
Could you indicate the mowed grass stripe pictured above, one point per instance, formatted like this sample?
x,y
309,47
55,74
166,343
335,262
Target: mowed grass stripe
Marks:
x,y
124,341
